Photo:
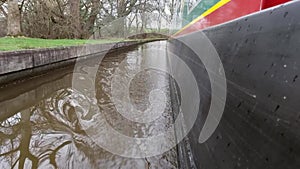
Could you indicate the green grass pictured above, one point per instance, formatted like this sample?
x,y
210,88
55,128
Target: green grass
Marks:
x,y
21,43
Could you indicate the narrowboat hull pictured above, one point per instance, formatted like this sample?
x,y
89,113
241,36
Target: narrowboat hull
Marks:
x,y
260,126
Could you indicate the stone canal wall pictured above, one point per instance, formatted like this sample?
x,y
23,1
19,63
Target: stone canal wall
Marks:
x,y
18,64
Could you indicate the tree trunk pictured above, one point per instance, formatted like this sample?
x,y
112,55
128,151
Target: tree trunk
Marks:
x,y
13,18
89,26
75,17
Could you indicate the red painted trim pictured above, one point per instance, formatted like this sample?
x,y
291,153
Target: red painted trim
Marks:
x,y
232,10
271,3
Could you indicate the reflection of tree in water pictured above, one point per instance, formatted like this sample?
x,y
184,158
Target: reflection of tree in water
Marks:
x,y
49,135
43,135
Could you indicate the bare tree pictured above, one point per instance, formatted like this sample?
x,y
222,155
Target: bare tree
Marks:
x,y
83,18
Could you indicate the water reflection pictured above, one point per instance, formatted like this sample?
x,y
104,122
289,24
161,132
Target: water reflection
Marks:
x,y
41,117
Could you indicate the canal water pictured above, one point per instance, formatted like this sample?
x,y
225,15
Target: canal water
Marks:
x,y
44,119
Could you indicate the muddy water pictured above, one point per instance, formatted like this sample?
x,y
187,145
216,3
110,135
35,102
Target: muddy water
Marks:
x,y
45,121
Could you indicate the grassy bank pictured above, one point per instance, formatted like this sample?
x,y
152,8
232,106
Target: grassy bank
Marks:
x,y
11,44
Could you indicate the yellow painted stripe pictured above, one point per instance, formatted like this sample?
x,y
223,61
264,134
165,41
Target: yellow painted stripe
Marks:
x,y
206,13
